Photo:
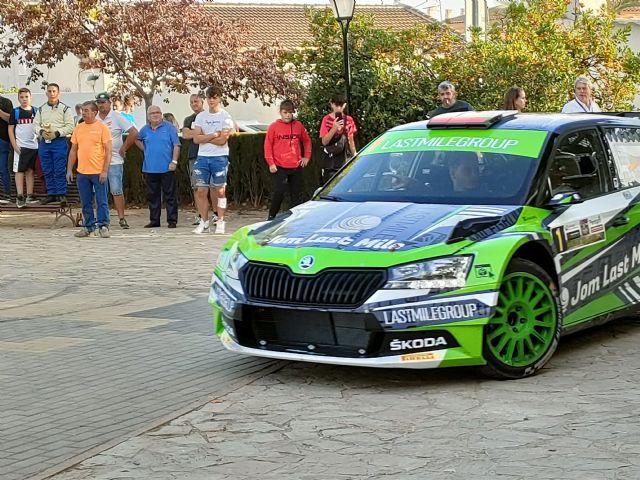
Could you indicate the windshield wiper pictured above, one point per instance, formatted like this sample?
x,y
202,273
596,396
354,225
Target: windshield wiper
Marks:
x,y
331,198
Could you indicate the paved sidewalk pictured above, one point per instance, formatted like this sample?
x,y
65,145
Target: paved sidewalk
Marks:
x,y
102,338
575,421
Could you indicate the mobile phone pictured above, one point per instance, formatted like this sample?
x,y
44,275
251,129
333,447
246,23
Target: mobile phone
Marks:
x,y
338,116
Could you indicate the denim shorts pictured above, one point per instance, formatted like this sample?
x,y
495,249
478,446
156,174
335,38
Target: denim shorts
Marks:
x,y
115,174
211,171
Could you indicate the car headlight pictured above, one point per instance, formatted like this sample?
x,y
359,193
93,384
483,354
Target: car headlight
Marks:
x,y
446,272
230,262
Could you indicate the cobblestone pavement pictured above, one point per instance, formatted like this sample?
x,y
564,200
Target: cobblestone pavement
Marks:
x,y
576,420
101,339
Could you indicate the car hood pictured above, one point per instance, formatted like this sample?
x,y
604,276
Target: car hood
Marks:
x,y
382,226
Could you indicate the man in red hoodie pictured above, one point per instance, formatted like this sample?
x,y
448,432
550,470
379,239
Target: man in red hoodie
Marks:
x,y
282,151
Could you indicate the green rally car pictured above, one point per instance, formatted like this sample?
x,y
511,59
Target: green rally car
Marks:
x,y
473,239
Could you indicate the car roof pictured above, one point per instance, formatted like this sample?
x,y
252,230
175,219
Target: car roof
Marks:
x,y
548,122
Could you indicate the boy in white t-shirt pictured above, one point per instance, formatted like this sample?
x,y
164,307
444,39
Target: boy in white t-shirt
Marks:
x,y
211,130
24,141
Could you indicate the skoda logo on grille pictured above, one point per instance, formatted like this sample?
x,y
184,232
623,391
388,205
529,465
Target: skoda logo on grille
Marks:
x,y
306,262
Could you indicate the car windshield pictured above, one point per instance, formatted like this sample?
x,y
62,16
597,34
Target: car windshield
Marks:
x,y
442,166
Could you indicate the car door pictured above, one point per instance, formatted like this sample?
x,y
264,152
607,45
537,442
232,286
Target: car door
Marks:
x,y
585,232
624,146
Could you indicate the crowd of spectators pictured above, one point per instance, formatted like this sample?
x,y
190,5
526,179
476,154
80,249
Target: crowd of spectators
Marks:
x,y
52,139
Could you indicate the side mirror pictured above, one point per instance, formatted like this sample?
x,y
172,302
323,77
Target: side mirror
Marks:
x,y
564,199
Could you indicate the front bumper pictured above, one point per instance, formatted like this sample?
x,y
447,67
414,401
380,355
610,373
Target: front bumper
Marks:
x,y
414,360
418,348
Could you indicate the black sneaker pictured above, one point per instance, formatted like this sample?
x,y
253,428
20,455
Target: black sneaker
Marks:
x,y
31,200
123,223
49,199
20,201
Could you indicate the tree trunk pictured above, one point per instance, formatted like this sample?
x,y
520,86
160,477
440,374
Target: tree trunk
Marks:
x,y
148,101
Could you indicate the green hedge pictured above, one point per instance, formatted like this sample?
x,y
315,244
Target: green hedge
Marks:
x,y
249,178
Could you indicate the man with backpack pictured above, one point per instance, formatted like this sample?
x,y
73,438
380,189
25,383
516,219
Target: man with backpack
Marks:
x,y
337,132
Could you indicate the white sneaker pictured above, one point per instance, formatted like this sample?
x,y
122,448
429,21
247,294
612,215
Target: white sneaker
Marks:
x,y
220,227
203,227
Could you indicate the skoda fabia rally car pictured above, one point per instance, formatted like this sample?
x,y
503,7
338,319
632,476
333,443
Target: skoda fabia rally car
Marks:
x,y
473,239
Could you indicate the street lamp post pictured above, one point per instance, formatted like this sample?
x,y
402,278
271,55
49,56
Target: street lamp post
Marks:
x,y
343,11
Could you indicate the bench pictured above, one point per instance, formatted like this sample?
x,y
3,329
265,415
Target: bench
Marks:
x,y
60,210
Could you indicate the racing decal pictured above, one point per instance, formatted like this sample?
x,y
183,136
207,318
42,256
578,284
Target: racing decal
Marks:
x,y
479,233
629,292
526,143
609,270
442,229
606,207
414,342
379,226
421,357
483,270
370,226
578,233
459,309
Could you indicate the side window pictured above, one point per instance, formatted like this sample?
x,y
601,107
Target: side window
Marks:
x,y
625,147
579,164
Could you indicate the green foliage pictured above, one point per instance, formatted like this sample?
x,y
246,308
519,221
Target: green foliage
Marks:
x,y
395,73
390,71
536,47
249,177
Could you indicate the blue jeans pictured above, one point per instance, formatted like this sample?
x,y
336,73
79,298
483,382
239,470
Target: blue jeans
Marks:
x,y
211,171
53,158
4,167
88,187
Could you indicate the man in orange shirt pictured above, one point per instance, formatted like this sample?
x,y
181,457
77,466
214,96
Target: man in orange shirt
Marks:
x,y
91,148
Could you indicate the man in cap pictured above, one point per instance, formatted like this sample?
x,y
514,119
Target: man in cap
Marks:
x,y
119,126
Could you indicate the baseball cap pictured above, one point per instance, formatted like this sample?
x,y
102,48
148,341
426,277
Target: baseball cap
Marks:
x,y
102,97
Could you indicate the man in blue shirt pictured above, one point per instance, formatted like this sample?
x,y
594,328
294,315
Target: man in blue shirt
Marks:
x,y
159,141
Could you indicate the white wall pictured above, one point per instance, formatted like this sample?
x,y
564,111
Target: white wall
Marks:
x,y
66,74
179,106
75,89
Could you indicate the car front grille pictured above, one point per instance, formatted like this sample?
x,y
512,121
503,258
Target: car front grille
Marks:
x,y
346,288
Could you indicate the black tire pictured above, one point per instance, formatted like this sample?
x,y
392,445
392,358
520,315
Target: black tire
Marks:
x,y
543,351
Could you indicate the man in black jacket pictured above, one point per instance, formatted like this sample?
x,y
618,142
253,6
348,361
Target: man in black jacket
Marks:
x,y
449,101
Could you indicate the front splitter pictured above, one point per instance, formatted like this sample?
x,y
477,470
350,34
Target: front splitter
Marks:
x,y
421,360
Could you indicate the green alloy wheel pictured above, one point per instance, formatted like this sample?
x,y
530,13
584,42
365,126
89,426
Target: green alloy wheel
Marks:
x,y
525,330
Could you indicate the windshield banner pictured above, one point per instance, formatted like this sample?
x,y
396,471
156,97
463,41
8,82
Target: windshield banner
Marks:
x,y
525,143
